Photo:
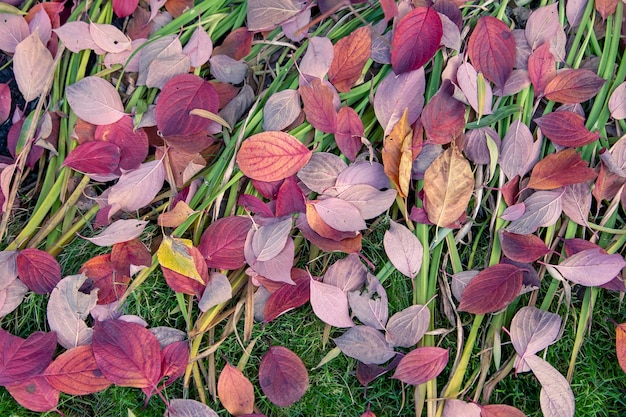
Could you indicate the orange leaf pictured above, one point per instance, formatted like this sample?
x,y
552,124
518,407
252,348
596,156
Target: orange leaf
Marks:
x,y
176,216
235,391
177,7
397,155
559,169
620,345
272,156
351,54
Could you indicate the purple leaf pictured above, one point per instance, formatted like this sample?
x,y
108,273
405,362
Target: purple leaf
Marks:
x,y
574,11
467,78
556,397
321,172
517,81
162,60
340,215
317,58
370,306
513,212
330,304
281,110
543,208
347,274
136,188
542,25
403,249
532,330
21,359
11,296
591,267
421,365
269,14
32,64
5,102
283,376
269,240
277,268
370,201
349,132
227,69
179,407
476,148
576,202
407,327
518,152
95,100
397,93
41,24
119,231
492,289
198,48
459,281
292,27
363,172
13,30
222,243
416,38
8,267
365,344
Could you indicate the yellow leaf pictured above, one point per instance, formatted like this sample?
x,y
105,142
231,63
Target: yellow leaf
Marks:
x,y
397,155
173,254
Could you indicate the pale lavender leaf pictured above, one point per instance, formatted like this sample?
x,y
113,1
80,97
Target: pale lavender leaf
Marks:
x,y
318,57
368,200
517,149
347,274
217,291
136,188
459,408
557,44
199,48
430,152
330,304
227,69
76,37
188,408
133,318
155,58
13,30
576,202
128,58
293,25
407,327
513,212
517,81
364,172
276,269
542,25
475,146
451,34
236,108
119,231
11,297
381,47
371,306
451,68
102,312
617,102
543,208
397,93
8,268
32,65
95,100
155,5
281,110
269,240
459,281
618,152
574,10
321,172
164,69
533,330
269,14
68,308
556,397
403,249
42,25
522,49
340,215
365,344
591,267
108,37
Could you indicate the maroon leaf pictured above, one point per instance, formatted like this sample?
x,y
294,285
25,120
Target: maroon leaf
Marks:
x,y
38,270
365,344
559,169
290,198
288,297
421,365
541,68
573,86
237,44
5,102
35,394
349,132
416,38
566,128
76,372
282,376
96,157
133,143
127,254
22,359
235,391
366,373
222,243
174,359
178,98
318,106
443,116
522,248
351,54
184,284
104,276
491,49
492,289
127,354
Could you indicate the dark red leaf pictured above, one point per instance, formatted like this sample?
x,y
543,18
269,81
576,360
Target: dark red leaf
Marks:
x,y
559,169
541,67
566,128
351,54
133,143
174,359
13,138
128,354
416,39
366,373
38,270
223,241
491,49
103,275
288,297
318,106
35,394
132,252
255,205
492,289
443,116
235,391
572,86
290,198
421,365
76,372
282,376
22,359
236,45
180,96
96,157
349,132
522,248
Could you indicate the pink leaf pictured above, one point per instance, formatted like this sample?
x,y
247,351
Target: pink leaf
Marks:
x,y
35,394
591,267
467,78
321,172
281,110
119,231
370,201
136,188
41,24
408,326
198,48
542,209
340,215
576,202
365,344
76,37
188,408
370,306
5,102
227,69
269,14
556,397
518,152
542,25
11,296
217,291
282,376
416,39
458,408
32,65
277,268
617,102
318,106
13,30
533,330
421,365
347,274
96,157
108,37
269,240
492,49
330,304
349,132
95,100
38,270
403,249
318,57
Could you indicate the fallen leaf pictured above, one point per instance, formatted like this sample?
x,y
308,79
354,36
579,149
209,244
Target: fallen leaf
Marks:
x,y
108,37
269,14
403,249
38,270
97,157
559,169
566,128
235,391
103,275
351,54
397,155
218,290
173,253
136,188
606,7
365,344
542,25
32,63
491,49
591,267
370,305
319,108
288,297
408,326
572,86
95,100
330,304
421,365
188,408
176,216
75,372
522,248
13,30
532,330
35,394
21,359
349,132
500,410
492,289
119,231
222,243
124,8
620,345
443,116
282,376
416,38
281,110
556,397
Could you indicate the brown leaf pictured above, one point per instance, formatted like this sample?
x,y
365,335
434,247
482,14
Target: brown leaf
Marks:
x,y
397,144
448,187
177,7
176,216
556,170
566,128
572,86
351,54
235,391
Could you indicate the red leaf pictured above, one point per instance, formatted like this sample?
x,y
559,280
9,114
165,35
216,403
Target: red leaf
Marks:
x,y
235,391
541,67
35,394
174,359
222,243
522,248
366,373
110,282
178,97
443,116
491,49
318,106
38,270
349,132
492,289
290,198
556,170
351,54
288,297
500,410
132,252
186,285
282,376
416,39
572,86
177,7
127,354
5,102
94,158
566,128
421,365
76,372
133,143
22,359
272,156
123,8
